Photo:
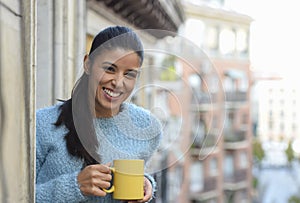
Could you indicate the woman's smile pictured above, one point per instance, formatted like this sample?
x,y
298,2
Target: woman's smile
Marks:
x,y
111,93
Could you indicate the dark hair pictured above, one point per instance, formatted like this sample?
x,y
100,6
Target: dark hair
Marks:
x,y
117,36
79,106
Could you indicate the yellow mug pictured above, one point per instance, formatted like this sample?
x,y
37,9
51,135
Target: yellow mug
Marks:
x,y
128,179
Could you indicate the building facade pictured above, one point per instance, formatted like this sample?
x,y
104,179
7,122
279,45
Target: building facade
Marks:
x,y
212,159
17,104
278,111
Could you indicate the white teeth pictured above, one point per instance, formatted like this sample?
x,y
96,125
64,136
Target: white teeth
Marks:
x,y
111,93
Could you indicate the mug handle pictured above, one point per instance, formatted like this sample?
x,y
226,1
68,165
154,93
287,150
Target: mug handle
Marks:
x,y
112,188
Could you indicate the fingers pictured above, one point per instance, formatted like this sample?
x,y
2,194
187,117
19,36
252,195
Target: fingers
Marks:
x,y
94,177
95,191
147,191
96,174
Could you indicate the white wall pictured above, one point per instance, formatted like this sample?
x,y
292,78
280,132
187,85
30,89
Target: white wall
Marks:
x,y
17,103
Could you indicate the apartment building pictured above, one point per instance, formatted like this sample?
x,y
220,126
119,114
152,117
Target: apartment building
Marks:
x,y
278,110
226,42
210,160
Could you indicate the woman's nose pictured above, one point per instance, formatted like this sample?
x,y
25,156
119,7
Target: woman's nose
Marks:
x,y
118,80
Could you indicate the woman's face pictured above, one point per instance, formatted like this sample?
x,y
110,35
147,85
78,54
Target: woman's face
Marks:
x,y
113,75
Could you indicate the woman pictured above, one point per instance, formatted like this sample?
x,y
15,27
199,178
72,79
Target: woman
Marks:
x,y
76,140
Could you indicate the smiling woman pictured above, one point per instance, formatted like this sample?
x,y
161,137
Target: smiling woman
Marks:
x,y
79,138
113,75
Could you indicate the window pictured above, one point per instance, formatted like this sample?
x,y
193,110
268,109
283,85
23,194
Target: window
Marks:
x,y
241,41
227,41
270,125
174,184
243,160
195,31
212,38
235,80
294,127
213,83
196,177
281,114
270,114
281,127
228,166
270,102
213,166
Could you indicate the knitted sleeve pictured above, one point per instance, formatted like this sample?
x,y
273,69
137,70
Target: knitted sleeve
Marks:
x,y
61,189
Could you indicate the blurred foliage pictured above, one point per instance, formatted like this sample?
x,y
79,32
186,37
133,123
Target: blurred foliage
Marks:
x,y
254,182
258,151
290,152
294,199
169,73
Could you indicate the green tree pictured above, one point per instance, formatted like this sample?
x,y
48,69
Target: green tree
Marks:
x,y
290,153
294,199
258,151
169,71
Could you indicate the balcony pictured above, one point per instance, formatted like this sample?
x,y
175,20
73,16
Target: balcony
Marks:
x,y
236,181
204,146
202,153
202,101
235,99
204,98
209,190
236,96
209,140
145,14
235,136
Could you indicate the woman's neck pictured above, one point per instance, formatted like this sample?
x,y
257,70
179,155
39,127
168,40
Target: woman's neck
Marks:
x,y
105,113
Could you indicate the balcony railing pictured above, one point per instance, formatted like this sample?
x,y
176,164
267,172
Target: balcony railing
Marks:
x,y
236,96
237,181
210,184
204,98
235,136
209,140
238,176
209,190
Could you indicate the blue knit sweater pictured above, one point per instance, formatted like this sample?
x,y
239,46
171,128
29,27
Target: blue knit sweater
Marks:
x,y
132,134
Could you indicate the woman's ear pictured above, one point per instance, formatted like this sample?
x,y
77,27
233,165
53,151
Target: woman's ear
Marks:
x,y
86,65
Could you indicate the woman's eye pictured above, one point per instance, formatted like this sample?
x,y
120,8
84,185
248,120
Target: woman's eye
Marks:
x,y
131,74
109,69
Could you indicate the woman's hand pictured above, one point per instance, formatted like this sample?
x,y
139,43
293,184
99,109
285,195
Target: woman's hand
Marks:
x,y
147,191
94,177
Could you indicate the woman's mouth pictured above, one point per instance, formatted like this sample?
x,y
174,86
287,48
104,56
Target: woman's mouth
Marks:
x,y
111,93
